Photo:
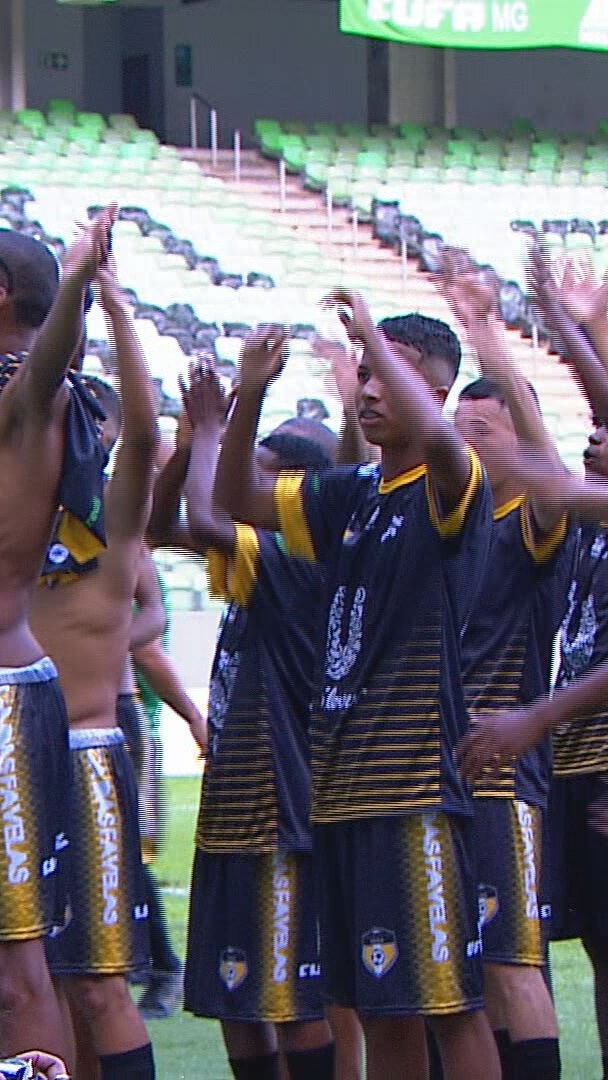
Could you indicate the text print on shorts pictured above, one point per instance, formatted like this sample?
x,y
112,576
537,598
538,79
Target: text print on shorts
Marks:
x,y
13,827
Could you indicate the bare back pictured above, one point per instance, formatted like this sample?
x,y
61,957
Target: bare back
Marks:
x,y
31,460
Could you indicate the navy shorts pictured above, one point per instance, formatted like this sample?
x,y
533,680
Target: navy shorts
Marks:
x,y
107,927
34,801
399,915
508,835
578,857
253,939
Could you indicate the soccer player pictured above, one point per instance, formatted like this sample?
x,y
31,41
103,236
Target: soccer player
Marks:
x,y
506,661
577,711
252,958
85,624
47,435
402,546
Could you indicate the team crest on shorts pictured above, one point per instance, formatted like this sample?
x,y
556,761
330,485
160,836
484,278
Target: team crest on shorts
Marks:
x,y
487,899
233,968
379,951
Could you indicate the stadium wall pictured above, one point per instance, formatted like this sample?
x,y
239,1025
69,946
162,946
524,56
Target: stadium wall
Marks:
x,y
251,58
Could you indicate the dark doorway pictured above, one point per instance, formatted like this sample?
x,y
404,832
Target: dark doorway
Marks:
x,y
143,64
136,95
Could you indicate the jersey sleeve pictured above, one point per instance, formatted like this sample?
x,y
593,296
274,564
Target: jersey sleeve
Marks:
x,y
541,546
234,577
450,526
312,508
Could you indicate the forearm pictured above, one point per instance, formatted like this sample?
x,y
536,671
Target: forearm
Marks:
x,y
56,341
137,390
209,527
167,497
582,698
236,478
598,333
353,447
489,341
581,353
165,680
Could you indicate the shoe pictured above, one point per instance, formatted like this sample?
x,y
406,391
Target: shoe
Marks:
x,y
163,995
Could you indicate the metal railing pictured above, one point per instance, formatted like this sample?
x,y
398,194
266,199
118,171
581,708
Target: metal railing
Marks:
x,y
196,100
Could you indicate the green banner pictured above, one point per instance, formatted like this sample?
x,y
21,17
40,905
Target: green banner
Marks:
x,y
481,24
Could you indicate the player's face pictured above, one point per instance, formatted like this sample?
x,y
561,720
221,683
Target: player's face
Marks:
x,y
596,454
378,422
486,426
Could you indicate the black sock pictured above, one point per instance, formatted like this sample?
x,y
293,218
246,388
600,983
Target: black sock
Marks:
x,y
161,950
503,1044
256,1068
536,1059
303,1064
133,1065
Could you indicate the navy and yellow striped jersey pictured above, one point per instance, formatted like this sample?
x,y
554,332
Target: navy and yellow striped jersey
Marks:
x,y
508,645
400,578
582,745
256,788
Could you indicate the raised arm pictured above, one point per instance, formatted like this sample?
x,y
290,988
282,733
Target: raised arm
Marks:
x,y
504,736
130,489
149,618
353,447
206,407
166,527
240,488
49,358
411,399
559,306
586,302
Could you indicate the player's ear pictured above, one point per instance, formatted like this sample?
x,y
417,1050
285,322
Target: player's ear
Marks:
x,y
441,393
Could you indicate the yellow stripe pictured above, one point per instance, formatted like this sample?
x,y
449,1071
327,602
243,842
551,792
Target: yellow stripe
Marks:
x,y
507,508
235,578
450,526
81,543
542,550
278,900
385,487
292,516
527,845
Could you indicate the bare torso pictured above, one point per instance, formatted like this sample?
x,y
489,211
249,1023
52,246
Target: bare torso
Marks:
x,y
31,457
85,627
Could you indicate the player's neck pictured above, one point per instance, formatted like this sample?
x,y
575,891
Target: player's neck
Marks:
x,y
16,339
505,492
397,460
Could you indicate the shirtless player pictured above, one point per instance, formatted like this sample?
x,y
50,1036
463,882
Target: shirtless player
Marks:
x,y
86,625
40,325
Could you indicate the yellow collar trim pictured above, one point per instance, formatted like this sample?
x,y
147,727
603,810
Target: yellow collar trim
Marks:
x,y
506,508
386,486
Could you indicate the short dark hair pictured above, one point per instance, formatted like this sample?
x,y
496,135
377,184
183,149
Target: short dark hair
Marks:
x,y
105,395
434,338
30,273
301,443
483,388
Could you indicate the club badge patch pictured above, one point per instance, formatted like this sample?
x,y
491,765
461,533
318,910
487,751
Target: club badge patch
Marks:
x,y
379,951
233,968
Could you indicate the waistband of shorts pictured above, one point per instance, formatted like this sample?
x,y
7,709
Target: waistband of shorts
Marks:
x,y
40,671
88,738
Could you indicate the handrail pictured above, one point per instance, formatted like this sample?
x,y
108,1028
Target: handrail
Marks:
x,y
197,99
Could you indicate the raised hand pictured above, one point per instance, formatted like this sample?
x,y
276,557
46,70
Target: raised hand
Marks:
x,y
264,356
89,252
540,279
584,298
107,289
203,397
471,294
353,312
344,363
